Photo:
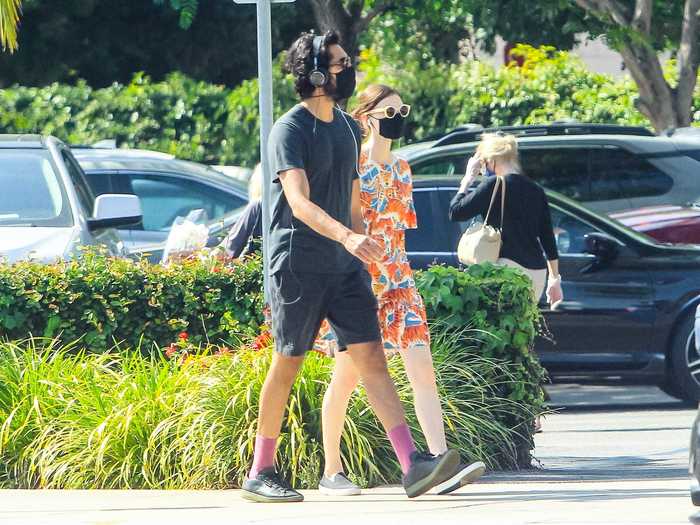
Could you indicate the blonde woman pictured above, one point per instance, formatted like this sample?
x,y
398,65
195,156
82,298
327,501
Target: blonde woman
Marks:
x,y
527,225
387,212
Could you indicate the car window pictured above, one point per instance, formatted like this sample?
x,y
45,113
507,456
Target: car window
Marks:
x,y
164,198
32,192
617,174
570,232
564,170
441,166
100,183
85,195
428,237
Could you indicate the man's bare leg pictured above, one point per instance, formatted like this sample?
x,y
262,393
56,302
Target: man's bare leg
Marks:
x,y
273,400
370,363
275,393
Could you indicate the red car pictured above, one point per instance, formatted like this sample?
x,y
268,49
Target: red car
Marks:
x,y
674,224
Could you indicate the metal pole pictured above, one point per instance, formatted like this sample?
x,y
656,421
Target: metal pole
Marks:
x,y
264,16
265,86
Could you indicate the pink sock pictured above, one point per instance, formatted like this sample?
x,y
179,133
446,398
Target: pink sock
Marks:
x,y
264,456
402,442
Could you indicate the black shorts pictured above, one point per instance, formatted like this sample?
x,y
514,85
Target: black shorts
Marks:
x,y
301,301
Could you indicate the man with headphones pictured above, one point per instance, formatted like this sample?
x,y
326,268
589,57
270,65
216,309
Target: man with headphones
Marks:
x,y
317,246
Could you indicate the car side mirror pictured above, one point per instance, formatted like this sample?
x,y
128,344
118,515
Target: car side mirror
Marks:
x,y
601,245
115,211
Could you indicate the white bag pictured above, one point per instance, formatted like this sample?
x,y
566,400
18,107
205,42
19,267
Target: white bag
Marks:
x,y
186,236
482,242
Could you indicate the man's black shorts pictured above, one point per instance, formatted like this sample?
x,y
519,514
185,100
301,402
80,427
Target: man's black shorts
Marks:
x,y
301,301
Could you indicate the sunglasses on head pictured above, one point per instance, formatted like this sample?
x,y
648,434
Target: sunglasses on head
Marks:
x,y
390,112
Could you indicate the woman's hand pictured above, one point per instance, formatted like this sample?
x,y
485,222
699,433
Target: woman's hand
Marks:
x,y
555,294
473,169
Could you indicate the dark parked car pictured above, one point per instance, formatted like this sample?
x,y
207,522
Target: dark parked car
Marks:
x,y
609,168
168,188
674,224
695,434
629,303
695,462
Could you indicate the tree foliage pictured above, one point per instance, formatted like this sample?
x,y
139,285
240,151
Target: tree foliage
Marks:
x,y
448,30
9,18
102,41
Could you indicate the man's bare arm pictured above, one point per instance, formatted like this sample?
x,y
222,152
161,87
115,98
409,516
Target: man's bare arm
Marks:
x,y
295,185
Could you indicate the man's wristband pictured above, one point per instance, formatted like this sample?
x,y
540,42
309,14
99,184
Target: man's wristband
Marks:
x,y
551,281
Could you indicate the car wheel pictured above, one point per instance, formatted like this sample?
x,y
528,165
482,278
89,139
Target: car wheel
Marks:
x,y
684,374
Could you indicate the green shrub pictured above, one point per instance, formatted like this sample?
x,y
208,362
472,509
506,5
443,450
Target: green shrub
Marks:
x,y
214,124
495,305
551,85
187,118
70,419
108,301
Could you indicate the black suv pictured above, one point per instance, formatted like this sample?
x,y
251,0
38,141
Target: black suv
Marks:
x,y
629,305
609,168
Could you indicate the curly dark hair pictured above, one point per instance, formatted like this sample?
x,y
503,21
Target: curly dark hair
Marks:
x,y
300,60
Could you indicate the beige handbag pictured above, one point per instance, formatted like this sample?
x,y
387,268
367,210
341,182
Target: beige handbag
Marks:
x,y
481,242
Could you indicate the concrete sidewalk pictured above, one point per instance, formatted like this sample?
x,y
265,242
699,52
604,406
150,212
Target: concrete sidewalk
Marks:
x,y
628,465
657,501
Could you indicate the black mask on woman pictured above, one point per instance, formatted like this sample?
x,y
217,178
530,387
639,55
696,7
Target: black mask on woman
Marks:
x,y
392,128
344,84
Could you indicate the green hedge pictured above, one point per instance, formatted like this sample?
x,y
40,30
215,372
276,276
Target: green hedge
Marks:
x,y
106,301
213,124
486,311
74,420
494,305
187,118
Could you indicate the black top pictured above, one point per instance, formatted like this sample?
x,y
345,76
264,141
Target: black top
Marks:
x,y
527,223
328,152
247,229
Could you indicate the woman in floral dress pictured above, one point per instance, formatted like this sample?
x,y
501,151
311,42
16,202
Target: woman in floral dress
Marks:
x,y
387,212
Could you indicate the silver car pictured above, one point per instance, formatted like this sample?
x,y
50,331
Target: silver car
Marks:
x,y
168,188
47,210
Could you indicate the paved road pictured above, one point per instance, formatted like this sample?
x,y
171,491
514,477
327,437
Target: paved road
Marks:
x,y
599,465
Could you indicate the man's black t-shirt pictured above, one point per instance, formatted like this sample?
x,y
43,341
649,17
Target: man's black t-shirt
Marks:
x,y
328,153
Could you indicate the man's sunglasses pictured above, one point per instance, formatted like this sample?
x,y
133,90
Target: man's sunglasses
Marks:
x,y
390,112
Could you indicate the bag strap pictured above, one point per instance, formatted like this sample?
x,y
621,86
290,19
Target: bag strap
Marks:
x,y
503,199
493,199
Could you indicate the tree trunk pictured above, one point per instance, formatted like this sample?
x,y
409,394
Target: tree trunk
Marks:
x,y
331,15
666,107
349,22
657,100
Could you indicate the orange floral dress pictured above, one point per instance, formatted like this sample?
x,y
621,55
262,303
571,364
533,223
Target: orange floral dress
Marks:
x,y
388,211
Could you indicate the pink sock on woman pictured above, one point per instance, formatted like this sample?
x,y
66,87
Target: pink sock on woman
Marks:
x,y
402,441
264,455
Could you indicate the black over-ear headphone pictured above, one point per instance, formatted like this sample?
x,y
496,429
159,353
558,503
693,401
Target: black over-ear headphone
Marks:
x,y
318,75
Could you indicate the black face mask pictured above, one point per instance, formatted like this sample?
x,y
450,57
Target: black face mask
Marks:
x,y
392,128
344,85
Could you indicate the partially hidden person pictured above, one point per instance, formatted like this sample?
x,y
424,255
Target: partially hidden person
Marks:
x,y
317,250
244,236
387,210
528,240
